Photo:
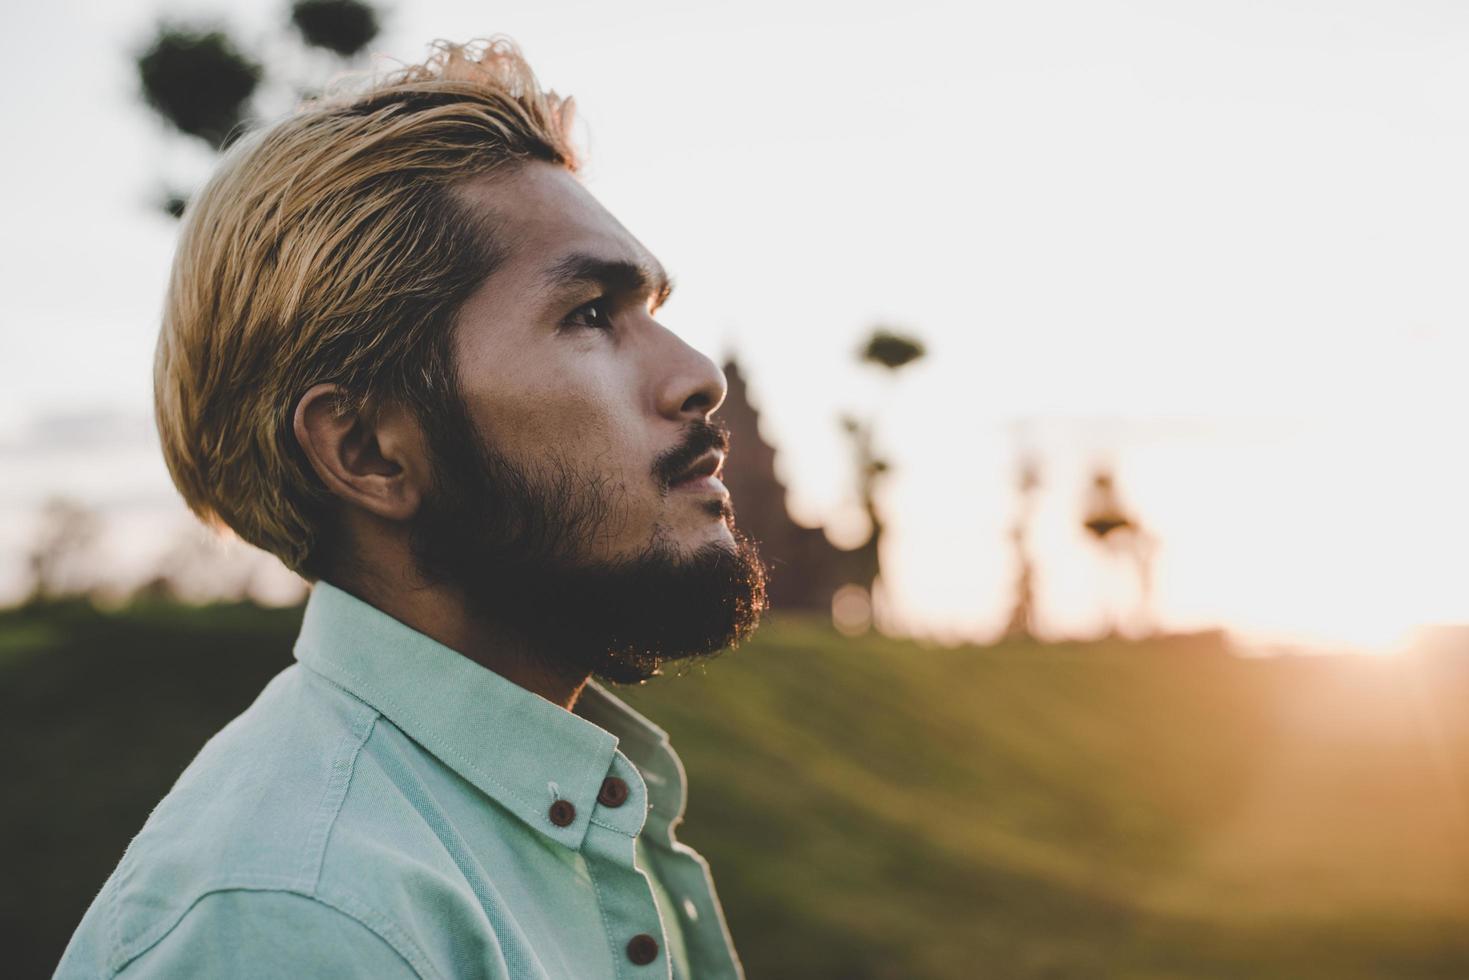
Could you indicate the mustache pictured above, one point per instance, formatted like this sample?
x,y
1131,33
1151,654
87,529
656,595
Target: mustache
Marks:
x,y
702,437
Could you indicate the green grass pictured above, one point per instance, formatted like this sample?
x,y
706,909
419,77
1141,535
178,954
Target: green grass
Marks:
x,y
875,809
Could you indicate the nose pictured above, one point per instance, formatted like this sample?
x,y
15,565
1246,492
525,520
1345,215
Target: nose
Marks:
x,y
694,387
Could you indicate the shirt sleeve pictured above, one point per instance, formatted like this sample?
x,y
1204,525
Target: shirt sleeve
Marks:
x,y
238,934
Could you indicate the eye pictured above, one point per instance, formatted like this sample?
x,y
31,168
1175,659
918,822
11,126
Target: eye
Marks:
x,y
594,315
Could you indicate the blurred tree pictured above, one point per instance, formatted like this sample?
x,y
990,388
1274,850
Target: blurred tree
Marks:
x,y
201,83
866,566
890,351
197,566
344,27
1022,615
64,550
1121,537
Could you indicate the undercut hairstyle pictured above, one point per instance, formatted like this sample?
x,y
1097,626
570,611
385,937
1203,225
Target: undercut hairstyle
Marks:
x,y
331,247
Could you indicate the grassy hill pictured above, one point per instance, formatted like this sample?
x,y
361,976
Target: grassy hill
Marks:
x,y
875,809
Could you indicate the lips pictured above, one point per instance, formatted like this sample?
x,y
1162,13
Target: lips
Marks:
x,y
706,465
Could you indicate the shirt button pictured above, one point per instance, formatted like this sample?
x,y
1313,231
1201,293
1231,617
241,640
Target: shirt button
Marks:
x,y
613,793
642,949
563,812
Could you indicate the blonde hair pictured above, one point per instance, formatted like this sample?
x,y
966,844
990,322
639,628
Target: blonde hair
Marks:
x,y
329,247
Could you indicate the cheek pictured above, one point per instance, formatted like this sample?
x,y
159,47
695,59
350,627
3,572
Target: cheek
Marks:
x,y
573,425
570,403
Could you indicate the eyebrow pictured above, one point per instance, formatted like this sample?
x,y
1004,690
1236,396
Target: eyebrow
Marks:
x,y
615,275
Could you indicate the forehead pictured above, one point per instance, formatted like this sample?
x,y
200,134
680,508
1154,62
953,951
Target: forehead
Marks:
x,y
541,214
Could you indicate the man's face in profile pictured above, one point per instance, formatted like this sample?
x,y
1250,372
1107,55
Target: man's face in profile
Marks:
x,y
560,506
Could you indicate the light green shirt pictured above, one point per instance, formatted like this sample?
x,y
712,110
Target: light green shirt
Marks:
x,y
389,808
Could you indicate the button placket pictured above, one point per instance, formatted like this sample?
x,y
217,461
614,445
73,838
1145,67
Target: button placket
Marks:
x,y
630,909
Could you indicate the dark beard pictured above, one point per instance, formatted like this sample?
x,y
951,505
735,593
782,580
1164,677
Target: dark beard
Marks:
x,y
507,538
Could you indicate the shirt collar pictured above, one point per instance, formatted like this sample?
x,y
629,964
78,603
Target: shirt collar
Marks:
x,y
517,747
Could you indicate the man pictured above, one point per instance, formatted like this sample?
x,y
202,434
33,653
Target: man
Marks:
x,y
405,351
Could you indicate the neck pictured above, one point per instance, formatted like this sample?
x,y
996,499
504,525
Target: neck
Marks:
x,y
445,615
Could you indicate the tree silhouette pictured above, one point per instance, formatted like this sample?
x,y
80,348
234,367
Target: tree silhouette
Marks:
x,y
890,351
199,82
63,550
202,82
1122,538
343,27
1022,615
197,565
866,567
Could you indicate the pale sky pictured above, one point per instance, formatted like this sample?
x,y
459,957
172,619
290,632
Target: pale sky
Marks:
x,y
1219,244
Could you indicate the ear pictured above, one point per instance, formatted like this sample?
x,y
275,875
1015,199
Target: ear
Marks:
x,y
378,466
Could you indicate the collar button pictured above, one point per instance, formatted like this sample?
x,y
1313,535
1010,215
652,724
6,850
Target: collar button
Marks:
x,y
614,792
563,812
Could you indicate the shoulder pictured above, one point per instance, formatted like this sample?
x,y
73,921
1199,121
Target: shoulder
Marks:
x,y
249,818
249,933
